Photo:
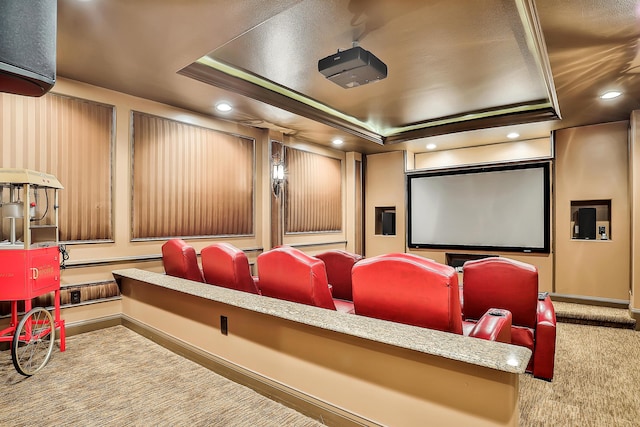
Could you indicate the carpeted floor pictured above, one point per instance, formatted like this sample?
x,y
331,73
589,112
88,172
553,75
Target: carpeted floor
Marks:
x,y
593,315
596,382
115,377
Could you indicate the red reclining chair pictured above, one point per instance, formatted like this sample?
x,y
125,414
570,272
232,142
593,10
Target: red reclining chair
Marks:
x,y
409,289
225,265
179,259
339,264
289,274
512,285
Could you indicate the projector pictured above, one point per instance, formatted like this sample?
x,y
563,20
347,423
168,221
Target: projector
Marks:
x,y
352,67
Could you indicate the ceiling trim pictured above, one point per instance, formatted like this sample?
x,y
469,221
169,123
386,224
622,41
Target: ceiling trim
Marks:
x,y
501,117
521,108
229,78
226,77
535,39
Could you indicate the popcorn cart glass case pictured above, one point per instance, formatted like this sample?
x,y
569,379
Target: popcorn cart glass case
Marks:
x,y
30,264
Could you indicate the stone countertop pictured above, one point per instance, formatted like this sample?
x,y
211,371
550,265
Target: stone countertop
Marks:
x,y
500,356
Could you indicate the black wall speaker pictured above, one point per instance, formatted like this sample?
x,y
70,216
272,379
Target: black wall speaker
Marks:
x,y
587,223
27,46
388,223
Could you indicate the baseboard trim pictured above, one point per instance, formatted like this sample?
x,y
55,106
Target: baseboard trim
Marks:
x,y
317,409
580,299
635,313
84,326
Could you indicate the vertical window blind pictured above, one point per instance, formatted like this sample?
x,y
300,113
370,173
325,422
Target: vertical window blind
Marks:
x,y
71,139
313,201
190,181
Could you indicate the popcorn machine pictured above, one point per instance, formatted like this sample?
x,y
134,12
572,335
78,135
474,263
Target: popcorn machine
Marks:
x,y
30,264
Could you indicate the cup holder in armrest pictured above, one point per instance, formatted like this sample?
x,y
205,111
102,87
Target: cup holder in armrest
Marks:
x,y
497,312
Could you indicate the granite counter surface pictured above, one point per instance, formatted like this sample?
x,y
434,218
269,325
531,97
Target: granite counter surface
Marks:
x,y
500,356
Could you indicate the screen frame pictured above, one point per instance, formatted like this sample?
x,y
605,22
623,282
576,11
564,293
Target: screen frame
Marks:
x,y
544,165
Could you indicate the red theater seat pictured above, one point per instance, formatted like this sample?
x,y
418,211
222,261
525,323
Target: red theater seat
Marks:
x,y
179,259
512,285
339,264
289,274
409,289
225,265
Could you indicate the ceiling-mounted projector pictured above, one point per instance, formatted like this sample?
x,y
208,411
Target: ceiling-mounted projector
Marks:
x,y
352,67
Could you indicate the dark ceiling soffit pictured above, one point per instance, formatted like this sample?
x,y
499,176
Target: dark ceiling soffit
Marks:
x,y
217,78
237,85
508,119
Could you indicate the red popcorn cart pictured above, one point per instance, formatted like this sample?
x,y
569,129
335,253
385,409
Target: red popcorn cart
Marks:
x,y
30,265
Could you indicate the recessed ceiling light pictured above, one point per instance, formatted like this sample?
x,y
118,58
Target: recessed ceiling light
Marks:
x,y
513,135
610,94
337,141
431,146
223,107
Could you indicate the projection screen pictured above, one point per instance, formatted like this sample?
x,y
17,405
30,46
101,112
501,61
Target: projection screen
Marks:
x,y
501,208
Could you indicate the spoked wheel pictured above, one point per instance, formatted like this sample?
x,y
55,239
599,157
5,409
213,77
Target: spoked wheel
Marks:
x,y
33,341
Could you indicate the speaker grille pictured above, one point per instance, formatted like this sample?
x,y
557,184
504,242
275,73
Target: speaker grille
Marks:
x,y
587,223
27,46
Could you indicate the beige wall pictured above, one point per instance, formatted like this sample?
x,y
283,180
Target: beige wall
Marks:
x,y
494,153
341,370
385,187
634,182
592,164
352,229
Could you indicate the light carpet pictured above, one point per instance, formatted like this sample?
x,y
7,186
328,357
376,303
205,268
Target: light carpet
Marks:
x,y
596,382
115,377
593,315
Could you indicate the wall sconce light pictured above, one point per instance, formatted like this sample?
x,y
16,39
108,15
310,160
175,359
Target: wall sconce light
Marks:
x,y
277,178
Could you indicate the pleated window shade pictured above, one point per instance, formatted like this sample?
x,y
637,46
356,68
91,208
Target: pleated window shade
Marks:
x,y
71,139
190,181
313,196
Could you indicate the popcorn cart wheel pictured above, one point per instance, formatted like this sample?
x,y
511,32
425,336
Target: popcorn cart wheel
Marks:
x,y
33,341
32,338
30,265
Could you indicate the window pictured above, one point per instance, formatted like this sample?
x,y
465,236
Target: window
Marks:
x,y
190,180
313,200
69,138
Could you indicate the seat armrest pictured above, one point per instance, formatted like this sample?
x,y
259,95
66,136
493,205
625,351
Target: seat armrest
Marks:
x,y
256,280
546,312
494,325
545,341
344,306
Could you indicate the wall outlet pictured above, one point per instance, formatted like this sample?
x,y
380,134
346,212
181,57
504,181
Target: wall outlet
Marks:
x,y
75,297
224,328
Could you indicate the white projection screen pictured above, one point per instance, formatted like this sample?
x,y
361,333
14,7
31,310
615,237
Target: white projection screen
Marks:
x,y
500,208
